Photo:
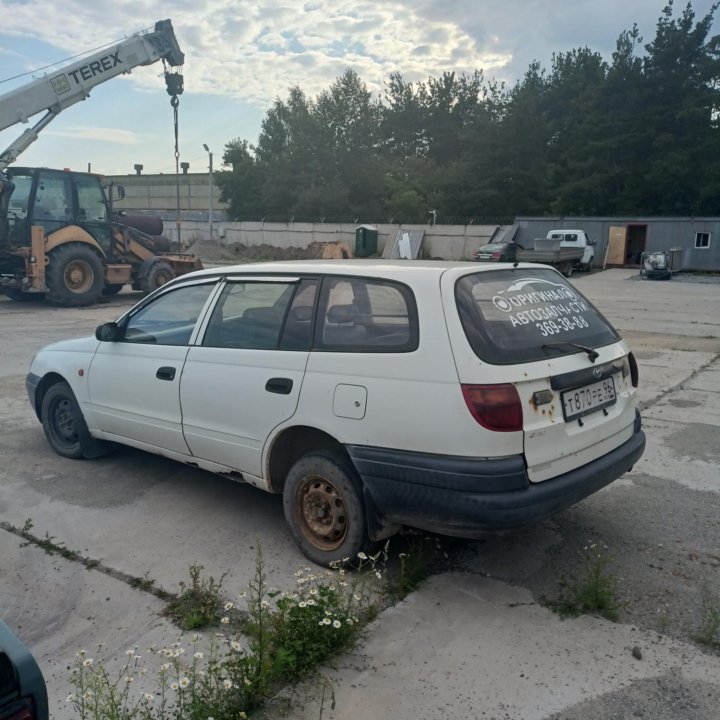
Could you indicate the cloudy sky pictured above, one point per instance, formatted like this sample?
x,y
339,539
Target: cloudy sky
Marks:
x,y
241,55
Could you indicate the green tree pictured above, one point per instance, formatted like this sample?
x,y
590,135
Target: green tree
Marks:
x,y
241,186
681,69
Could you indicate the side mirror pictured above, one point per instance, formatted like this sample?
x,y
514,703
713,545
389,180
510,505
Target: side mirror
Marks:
x,y
108,332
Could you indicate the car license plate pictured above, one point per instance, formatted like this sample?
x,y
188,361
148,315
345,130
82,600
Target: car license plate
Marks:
x,y
589,398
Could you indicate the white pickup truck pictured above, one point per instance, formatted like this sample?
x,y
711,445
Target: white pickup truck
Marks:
x,y
565,249
576,239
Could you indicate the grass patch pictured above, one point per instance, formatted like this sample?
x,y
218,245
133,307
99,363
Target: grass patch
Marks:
x,y
226,676
199,603
420,558
593,592
708,633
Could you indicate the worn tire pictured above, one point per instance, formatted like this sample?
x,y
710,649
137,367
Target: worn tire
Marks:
x,y
159,273
324,508
19,296
65,427
75,275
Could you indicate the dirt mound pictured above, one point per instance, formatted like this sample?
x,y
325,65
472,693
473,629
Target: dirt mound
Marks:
x,y
213,251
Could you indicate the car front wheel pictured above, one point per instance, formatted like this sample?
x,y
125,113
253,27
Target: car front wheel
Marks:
x,y
64,425
323,505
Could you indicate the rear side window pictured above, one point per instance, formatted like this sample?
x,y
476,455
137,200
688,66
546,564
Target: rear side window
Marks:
x,y
366,315
508,315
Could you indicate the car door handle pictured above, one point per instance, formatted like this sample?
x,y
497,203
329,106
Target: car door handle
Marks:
x,y
165,373
281,386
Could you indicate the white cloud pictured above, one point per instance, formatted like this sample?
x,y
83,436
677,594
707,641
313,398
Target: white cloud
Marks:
x,y
103,134
256,50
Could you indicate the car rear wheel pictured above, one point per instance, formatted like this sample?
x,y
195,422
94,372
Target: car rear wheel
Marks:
x,y
323,505
65,427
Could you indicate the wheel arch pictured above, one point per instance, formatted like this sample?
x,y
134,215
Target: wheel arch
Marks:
x,y
72,234
48,380
290,444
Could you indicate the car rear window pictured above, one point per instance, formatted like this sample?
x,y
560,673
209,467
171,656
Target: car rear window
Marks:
x,y
508,315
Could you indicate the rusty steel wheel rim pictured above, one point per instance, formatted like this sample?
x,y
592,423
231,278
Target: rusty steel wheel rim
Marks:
x,y
78,276
321,512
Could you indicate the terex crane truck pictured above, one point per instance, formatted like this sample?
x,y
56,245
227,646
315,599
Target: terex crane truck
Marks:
x,y
59,236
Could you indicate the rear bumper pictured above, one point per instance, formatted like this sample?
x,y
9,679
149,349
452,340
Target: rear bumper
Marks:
x,y
470,497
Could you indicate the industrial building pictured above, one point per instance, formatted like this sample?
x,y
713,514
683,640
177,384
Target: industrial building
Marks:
x,y
621,241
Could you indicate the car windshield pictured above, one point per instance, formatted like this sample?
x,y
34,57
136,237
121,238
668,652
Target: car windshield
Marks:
x,y
508,315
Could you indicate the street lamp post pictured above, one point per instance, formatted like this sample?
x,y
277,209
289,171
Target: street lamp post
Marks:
x,y
210,191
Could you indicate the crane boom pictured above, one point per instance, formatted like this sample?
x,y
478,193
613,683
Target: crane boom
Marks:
x,y
59,90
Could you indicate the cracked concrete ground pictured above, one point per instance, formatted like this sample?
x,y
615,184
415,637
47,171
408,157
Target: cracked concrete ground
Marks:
x,y
473,642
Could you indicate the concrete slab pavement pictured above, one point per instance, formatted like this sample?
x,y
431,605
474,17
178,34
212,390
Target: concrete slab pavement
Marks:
x,y
58,607
470,647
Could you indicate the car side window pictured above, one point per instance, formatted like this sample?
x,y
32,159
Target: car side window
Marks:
x,y
249,315
297,333
364,315
169,319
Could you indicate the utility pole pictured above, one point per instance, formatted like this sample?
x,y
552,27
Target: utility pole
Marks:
x,y
210,190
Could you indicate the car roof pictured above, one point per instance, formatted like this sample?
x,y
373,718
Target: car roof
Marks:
x,y
378,268
401,270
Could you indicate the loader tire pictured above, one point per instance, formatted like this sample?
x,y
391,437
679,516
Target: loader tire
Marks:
x,y
75,275
20,296
159,273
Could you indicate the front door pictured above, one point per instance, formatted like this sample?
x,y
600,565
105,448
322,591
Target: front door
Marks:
x,y
134,384
244,378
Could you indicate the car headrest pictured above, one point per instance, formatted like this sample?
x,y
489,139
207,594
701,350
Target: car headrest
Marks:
x,y
342,314
301,313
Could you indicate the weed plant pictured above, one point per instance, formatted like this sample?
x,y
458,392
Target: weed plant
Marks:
x,y
594,591
223,677
199,604
709,631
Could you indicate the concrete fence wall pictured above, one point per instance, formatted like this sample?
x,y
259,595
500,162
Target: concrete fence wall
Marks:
x,y
449,242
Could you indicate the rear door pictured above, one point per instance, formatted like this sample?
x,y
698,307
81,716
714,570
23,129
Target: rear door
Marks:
x,y
243,378
528,326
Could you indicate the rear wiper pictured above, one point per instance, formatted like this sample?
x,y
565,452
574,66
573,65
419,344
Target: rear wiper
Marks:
x,y
592,354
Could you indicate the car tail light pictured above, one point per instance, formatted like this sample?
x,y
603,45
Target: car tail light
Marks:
x,y
495,407
634,371
496,255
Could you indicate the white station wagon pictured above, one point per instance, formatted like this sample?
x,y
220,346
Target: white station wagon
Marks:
x,y
458,398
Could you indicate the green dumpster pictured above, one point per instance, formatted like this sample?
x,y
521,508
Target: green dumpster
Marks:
x,y
366,240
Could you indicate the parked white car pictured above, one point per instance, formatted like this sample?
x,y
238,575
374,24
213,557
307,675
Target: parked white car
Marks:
x,y
459,398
